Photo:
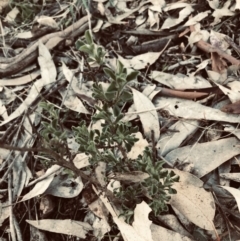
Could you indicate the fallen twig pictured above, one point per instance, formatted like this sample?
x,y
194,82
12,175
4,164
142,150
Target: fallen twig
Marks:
x,y
15,64
208,48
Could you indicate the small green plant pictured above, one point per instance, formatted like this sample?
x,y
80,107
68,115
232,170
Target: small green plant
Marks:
x,y
96,53
115,139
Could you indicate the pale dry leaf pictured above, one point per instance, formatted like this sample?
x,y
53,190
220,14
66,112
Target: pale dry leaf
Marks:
x,y
81,160
183,220
47,21
100,228
48,68
55,169
171,221
138,147
11,16
25,35
76,83
153,20
197,35
222,12
234,85
233,130
171,22
213,3
5,209
216,77
237,6
149,89
160,233
3,111
100,172
131,114
42,185
197,18
236,194
201,66
193,201
178,133
140,61
148,115
122,6
66,226
3,4
215,153
233,95
127,231
193,110
175,5
194,37
141,221
99,209
48,73
65,186
72,144
72,102
180,81
140,20
46,205
157,6
21,172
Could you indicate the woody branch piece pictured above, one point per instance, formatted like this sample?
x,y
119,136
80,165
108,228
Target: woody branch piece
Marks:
x,y
208,48
13,65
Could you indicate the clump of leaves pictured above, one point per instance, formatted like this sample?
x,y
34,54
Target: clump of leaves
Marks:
x,y
27,9
96,53
115,139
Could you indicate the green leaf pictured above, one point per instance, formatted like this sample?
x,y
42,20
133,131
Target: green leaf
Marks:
x,y
126,96
88,37
109,72
113,87
79,44
119,67
110,95
132,76
86,49
116,110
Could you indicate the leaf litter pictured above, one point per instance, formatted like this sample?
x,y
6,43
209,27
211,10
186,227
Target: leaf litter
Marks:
x,y
184,89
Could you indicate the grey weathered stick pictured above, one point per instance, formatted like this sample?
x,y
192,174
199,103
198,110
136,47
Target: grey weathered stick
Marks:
x,y
15,64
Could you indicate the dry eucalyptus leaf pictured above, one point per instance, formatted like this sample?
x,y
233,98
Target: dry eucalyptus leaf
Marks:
x,y
140,61
147,113
42,185
193,201
66,226
47,21
11,16
215,153
138,146
192,110
236,194
64,186
159,232
177,133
